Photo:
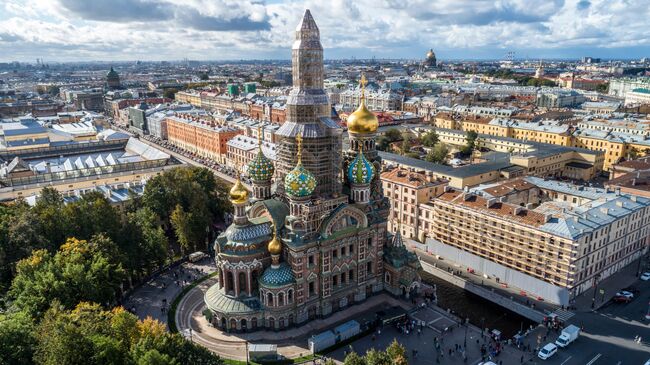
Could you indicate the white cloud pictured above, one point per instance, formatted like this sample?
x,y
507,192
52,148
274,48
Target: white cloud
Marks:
x,y
223,29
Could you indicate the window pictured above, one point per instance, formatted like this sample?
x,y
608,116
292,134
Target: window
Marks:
x,y
335,280
311,260
335,253
369,267
369,241
351,275
343,251
312,288
351,249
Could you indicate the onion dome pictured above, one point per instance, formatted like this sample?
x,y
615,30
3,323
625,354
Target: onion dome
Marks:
x,y
277,275
238,193
299,182
360,171
275,245
112,74
261,167
430,54
362,120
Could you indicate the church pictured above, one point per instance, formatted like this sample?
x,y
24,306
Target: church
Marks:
x,y
311,237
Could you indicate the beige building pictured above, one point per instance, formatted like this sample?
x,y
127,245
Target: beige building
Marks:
x,y
553,241
407,190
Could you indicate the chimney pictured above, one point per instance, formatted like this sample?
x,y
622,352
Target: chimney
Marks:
x,y
633,198
547,217
448,188
618,191
604,210
518,210
490,202
619,203
467,196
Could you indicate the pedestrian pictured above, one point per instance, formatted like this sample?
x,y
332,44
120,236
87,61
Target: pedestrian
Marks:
x,y
450,351
521,361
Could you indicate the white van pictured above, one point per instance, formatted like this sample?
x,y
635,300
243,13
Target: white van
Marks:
x,y
547,351
196,256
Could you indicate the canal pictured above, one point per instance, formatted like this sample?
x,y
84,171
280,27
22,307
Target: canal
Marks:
x,y
479,311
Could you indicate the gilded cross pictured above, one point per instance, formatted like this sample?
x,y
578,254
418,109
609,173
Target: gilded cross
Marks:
x,y
363,82
299,141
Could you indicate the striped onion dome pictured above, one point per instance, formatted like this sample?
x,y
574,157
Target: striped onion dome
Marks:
x,y
360,171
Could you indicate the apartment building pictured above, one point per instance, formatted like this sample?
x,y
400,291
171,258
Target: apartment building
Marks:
x,y
202,137
553,241
407,190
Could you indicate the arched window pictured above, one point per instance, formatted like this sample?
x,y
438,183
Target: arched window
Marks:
x,y
281,322
230,282
271,322
280,299
233,324
254,323
290,296
243,324
290,319
254,281
242,283
221,279
223,322
269,299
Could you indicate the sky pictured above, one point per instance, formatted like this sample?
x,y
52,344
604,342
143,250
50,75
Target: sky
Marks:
x,y
150,30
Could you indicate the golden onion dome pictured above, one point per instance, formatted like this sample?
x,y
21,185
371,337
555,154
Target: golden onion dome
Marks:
x,y
362,120
275,245
238,193
430,54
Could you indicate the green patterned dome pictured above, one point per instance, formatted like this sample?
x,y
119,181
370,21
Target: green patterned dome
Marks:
x,y
361,171
277,275
261,167
299,182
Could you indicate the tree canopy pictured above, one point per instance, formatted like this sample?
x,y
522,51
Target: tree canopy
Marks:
x,y
438,154
394,354
430,139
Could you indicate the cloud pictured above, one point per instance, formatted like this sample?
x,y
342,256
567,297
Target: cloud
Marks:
x,y
118,10
233,29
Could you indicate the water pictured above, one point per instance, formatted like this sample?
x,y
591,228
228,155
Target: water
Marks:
x,y
478,310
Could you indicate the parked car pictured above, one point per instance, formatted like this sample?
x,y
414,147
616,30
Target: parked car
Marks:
x,y
625,293
547,351
645,276
632,289
621,299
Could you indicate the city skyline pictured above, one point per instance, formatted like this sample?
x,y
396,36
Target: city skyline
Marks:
x,y
153,30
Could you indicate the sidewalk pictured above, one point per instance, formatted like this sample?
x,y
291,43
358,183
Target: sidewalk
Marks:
x,y
611,285
154,297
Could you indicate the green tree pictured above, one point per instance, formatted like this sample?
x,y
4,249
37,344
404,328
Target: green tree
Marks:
x,y
430,139
470,143
382,143
633,153
17,340
438,154
170,93
393,135
204,76
395,350
406,144
354,359
79,271
375,357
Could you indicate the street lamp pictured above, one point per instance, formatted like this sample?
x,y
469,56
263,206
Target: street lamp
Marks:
x,y
593,299
466,325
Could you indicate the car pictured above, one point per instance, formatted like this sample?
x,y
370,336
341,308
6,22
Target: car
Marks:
x,y
547,351
632,289
625,293
621,299
645,276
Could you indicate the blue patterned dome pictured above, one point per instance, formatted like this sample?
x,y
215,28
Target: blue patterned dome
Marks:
x,y
299,182
261,167
277,275
361,171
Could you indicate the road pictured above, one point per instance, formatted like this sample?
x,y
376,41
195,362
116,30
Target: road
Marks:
x,y
608,336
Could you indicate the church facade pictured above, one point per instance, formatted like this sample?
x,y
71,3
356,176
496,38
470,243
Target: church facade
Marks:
x,y
318,242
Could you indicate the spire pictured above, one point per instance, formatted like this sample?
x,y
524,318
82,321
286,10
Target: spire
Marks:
x,y
397,238
307,26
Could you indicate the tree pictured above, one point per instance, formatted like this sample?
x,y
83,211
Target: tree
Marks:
x,y
170,93
395,350
470,143
406,144
79,271
375,357
438,154
393,135
204,76
633,153
354,359
90,335
430,139
17,340
382,143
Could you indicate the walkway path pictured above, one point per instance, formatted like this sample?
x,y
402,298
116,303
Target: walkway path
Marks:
x,y
154,297
291,342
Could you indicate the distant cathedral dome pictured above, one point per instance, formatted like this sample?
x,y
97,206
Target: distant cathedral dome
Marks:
x,y
238,193
431,59
361,171
261,167
112,79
